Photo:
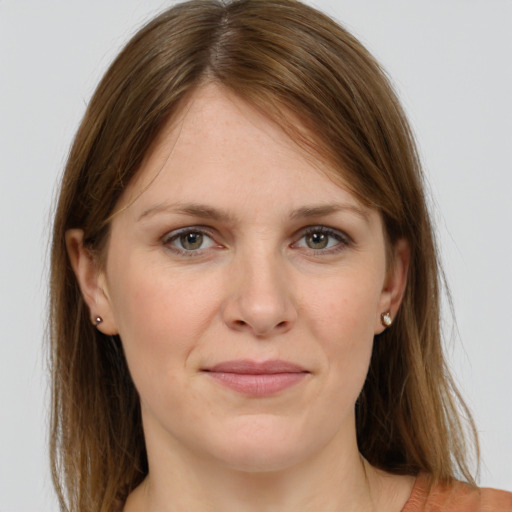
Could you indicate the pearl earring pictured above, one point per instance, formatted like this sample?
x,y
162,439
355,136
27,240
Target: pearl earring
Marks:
x,y
386,319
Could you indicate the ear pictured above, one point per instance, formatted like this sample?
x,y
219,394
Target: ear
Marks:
x,y
395,283
91,280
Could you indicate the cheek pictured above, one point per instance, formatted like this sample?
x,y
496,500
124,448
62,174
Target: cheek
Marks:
x,y
160,314
160,319
344,307
343,319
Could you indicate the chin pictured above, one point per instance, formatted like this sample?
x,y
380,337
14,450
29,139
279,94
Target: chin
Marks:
x,y
262,444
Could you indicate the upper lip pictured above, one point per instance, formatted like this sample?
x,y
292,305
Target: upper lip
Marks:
x,y
248,367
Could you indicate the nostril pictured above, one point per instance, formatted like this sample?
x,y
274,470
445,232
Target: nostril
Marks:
x,y
240,323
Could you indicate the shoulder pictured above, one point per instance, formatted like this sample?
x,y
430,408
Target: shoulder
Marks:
x,y
456,497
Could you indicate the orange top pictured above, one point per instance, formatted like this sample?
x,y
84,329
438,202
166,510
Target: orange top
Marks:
x,y
457,497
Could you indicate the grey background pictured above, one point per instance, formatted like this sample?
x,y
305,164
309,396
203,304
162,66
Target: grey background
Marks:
x,y
451,63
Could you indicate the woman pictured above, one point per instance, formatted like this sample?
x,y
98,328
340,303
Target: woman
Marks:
x,y
248,315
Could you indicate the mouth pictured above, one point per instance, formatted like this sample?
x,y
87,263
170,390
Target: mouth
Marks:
x,y
257,379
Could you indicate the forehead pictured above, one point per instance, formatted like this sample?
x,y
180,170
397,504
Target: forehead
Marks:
x,y
218,148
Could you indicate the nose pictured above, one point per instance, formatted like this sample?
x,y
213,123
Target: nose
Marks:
x,y
259,299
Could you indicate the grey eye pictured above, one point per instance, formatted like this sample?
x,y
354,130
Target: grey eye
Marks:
x,y
317,240
321,238
191,241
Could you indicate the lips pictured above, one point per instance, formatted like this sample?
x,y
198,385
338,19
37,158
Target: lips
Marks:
x,y
246,366
257,379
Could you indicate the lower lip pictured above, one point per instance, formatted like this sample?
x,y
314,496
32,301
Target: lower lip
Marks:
x,y
261,384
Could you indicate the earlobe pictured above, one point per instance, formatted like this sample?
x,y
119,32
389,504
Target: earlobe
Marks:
x,y
394,286
91,281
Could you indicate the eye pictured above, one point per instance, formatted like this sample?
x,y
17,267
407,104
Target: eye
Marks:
x,y
317,240
322,239
189,240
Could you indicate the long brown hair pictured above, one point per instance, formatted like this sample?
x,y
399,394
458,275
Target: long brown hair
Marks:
x,y
283,57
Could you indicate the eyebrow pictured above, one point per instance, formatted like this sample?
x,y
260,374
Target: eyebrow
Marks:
x,y
328,209
208,212
192,209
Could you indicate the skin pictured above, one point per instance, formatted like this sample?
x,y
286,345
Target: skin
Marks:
x,y
290,266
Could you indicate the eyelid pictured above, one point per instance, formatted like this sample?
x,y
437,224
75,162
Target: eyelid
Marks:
x,y
344,240
175,234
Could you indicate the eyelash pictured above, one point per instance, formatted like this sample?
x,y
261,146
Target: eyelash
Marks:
x,y
343,240
177,234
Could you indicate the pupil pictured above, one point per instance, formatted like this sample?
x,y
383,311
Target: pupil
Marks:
x,y
317,241
192,240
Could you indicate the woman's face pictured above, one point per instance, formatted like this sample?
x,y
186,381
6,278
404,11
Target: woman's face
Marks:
x,y
246,287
